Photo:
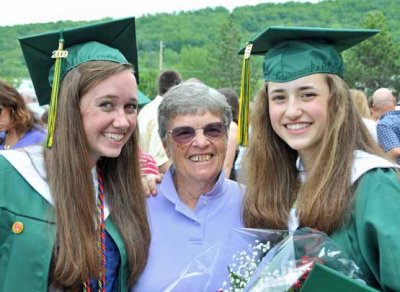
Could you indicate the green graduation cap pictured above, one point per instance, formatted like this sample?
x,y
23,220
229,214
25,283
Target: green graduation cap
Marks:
x,y
113,40
50,56
143,99
294,52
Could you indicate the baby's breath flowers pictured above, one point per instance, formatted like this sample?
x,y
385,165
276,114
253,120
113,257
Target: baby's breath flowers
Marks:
x,y
243,266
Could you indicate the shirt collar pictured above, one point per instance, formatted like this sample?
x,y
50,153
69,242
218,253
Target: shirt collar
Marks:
x,y
168,188
390,113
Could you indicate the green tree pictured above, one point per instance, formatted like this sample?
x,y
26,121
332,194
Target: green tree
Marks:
x,y
148,82
375,62
193,63
148,72
223,59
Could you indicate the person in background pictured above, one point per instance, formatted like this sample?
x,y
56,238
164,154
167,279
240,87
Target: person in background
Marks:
x,y
238,164
233,148
31,101
147,120
240,174
196,205
19,127
194,79
45,117
382,102
150,174
147,164
361,103
311,161
73,213
388,127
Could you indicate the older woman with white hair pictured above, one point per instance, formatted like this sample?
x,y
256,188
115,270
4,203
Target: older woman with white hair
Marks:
x,y
196,205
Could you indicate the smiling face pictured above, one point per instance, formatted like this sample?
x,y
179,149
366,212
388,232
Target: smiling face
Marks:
x,y
298,111
109,112
201,159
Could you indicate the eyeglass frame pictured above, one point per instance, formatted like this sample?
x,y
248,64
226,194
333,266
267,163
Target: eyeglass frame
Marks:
x,y
224,127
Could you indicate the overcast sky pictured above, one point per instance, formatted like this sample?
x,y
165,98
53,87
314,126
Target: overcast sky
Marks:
x,y
38,11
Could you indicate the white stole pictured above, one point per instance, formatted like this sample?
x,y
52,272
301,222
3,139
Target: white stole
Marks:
x,y
29,162
363,162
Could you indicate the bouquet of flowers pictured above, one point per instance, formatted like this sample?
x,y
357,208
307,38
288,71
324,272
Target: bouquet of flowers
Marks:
x,y
286,265
263,260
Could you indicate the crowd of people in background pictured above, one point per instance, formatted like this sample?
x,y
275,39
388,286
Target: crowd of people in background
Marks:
x,y
310,137
23,122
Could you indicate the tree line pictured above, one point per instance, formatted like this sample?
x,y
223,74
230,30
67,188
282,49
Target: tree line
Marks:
x,y
204,43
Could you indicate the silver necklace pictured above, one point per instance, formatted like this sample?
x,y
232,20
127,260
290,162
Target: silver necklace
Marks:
x,y
6,146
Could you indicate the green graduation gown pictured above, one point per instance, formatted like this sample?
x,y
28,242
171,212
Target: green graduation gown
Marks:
x,y
27,233
371,236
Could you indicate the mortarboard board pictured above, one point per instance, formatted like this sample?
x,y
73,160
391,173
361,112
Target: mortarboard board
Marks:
x,y
112,40
294,52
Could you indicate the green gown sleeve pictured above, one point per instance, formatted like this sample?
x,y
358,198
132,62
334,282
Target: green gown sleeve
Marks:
x,y
372,236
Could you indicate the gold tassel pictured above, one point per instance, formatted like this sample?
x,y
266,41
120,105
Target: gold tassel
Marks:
x,y
58,55
244,100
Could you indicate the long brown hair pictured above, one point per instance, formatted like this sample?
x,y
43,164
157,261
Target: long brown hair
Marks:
x,y
273,184
22,118
71,183
361,102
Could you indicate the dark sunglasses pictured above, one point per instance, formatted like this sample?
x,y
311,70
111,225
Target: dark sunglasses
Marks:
x,y
186,134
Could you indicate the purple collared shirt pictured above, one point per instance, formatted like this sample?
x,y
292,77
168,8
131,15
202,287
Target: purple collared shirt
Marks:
x,y
179,234
36,135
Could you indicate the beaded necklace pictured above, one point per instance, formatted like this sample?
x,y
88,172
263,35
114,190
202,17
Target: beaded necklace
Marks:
x,y
101,279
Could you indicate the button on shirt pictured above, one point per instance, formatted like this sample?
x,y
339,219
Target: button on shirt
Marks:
x,y
179,234
388,130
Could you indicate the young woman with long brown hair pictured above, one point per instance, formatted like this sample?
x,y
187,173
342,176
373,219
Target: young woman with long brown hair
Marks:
x,y
73,215
311,161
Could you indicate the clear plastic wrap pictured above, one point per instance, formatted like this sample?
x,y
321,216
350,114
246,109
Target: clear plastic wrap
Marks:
x,y
287,265
263,260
